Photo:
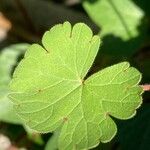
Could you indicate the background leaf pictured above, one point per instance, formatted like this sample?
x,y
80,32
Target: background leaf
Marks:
x,y
124,23
120,28
8,60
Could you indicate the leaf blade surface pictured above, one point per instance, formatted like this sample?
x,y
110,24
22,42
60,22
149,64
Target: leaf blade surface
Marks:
x,y
49,89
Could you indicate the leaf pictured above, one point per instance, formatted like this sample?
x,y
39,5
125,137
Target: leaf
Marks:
x,y
117,19
7,112
119,26
8,60
50,89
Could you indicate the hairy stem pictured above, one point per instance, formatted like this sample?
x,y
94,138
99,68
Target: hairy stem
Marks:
x,y
146,87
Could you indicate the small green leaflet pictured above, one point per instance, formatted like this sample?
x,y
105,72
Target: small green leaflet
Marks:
x,y
49,89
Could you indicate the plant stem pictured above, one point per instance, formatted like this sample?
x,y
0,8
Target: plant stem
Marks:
x,y
146,87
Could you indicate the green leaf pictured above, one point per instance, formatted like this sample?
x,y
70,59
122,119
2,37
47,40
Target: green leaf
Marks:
x,y
114,17
118,24
8,60
50,89
7,112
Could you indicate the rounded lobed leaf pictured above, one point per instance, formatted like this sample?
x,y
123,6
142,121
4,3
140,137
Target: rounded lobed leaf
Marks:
x,y
49,90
